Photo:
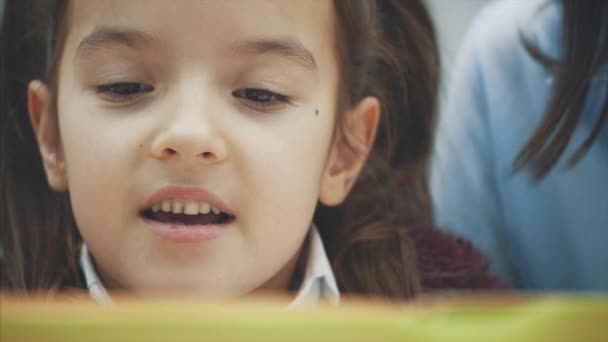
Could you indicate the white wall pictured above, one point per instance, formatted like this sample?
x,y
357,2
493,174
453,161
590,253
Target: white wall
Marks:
x,y
452,19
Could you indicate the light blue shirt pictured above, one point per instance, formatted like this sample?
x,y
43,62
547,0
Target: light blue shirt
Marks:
x,y
547,236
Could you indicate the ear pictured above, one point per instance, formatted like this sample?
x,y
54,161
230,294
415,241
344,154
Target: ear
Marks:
x,y
46,131
346,161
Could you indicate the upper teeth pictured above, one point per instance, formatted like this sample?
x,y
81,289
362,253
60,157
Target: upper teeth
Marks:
x,y
185,207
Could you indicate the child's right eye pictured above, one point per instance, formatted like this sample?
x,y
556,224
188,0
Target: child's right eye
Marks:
x,y
122,91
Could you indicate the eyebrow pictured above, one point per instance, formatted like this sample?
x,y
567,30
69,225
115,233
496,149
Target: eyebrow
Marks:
x,y
290,48
104,37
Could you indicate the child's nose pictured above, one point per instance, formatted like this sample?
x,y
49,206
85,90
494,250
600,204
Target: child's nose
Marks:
x,y
189,130
196,144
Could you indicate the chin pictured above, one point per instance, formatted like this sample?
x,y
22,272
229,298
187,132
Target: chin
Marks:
x,y
180,286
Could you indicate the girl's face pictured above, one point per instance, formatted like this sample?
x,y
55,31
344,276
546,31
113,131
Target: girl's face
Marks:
x,y
178,106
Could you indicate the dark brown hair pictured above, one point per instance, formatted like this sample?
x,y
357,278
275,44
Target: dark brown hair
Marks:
x,y
39,238
585,50
386,48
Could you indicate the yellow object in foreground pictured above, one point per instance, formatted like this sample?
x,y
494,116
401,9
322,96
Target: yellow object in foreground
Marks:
x,y
551,318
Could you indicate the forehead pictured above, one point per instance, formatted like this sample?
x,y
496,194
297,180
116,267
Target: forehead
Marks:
x,y
199,25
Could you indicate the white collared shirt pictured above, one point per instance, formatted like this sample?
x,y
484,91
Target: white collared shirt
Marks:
x,y
318,284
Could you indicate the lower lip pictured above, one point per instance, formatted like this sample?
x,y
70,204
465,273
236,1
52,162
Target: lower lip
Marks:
x,y
185,234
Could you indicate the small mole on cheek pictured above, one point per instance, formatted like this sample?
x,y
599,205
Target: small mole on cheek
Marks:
x,y
140,145
316,112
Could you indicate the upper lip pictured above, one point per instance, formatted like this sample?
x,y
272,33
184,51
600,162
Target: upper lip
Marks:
x,y
185,193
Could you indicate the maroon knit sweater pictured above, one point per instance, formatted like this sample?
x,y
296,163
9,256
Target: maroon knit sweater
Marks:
x,y
448,262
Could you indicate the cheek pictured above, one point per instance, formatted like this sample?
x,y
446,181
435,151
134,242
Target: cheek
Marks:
x,y
280,172
285,165
95,150
99,157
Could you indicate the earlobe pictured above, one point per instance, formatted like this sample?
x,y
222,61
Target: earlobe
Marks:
x,y
46,131
349,152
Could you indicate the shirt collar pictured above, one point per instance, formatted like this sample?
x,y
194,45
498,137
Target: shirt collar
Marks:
x,y
318,284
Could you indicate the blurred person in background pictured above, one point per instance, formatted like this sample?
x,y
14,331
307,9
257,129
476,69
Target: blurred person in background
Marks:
x,y
520,162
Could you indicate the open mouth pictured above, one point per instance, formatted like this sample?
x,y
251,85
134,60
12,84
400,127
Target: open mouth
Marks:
x,y
186,213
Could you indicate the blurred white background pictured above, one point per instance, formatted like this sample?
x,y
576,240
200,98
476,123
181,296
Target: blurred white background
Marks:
x,y
452,19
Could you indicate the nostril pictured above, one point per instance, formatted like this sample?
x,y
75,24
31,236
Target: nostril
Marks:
x,y
207,155
170,152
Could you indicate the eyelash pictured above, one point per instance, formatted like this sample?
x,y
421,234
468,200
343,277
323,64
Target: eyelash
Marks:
x,y
256,98
122,91
262,99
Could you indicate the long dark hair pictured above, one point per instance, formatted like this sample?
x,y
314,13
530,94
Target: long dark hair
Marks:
x,y
386,48
585,50
38,236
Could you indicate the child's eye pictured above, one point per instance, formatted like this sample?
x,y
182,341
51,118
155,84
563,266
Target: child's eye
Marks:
x,y
262,99
123,91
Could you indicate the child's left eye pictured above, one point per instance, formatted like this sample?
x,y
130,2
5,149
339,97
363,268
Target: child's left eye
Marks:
x,y
262,99
123,91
